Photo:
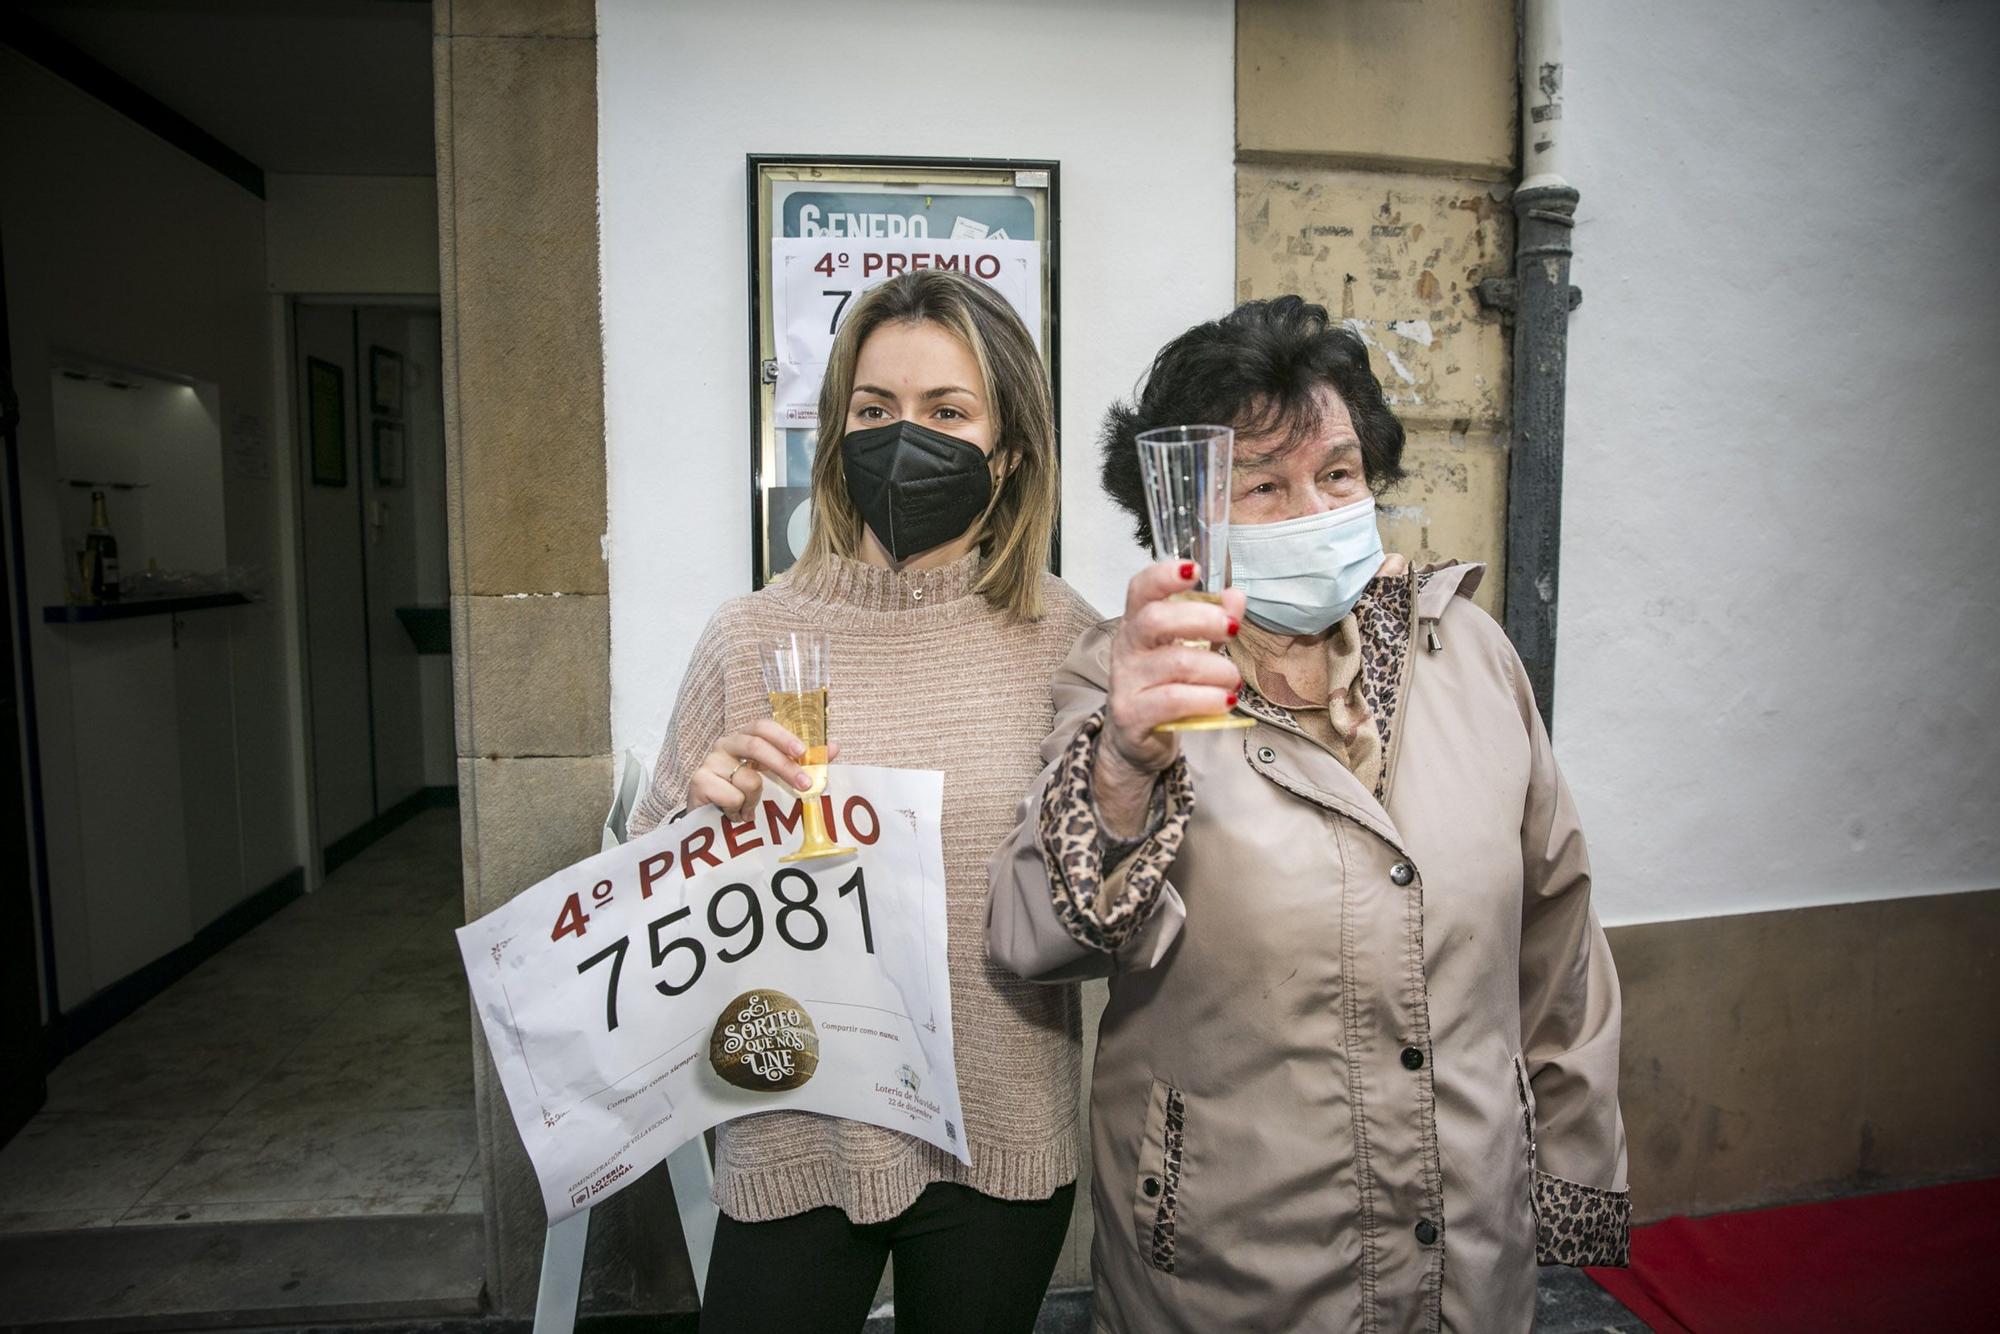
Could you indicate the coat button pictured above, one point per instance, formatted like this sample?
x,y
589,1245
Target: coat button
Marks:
x,y
1151,1185
1402,873
1413,1058
1426,1231
1265,755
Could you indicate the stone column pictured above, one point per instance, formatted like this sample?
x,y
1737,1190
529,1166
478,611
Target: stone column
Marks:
x,y
516,98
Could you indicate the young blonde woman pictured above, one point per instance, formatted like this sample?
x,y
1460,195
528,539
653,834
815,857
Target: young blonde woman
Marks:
x,y
934,498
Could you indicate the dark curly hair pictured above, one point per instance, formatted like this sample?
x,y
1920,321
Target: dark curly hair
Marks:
x,y
1257,369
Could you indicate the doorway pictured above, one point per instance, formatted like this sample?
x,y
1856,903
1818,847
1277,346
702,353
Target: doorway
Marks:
x,y
370,440
317,1064
277,1063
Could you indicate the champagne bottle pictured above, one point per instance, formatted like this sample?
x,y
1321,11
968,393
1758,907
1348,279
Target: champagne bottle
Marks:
x,y
101,552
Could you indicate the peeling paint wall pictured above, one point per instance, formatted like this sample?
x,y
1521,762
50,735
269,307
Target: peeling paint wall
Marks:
x,y
1383,208
1396,257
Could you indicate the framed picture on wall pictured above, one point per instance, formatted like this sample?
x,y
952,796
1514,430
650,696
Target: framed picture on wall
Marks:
x,y
326,422
388,454
385,381
824,230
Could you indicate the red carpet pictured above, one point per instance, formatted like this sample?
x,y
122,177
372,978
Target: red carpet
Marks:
x,y
1906,1260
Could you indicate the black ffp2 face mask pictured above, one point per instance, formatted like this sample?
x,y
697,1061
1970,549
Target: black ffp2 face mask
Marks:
x,y
915,487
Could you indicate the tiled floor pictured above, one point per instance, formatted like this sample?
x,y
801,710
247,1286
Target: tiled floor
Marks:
x,y
319,1067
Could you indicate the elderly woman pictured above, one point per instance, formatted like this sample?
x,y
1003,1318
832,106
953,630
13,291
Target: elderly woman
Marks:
x,y
1359,1066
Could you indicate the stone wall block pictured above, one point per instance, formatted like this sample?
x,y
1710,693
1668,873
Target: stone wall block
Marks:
x,y
516,88
517,18
529,360
462,704
1397,259
1418,84
536,816
516,1219
534,672
468,837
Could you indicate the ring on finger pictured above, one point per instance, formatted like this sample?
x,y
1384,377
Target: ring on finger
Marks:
x,y
739,767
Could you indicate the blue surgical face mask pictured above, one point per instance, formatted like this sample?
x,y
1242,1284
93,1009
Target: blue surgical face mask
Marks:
x,y
1300,576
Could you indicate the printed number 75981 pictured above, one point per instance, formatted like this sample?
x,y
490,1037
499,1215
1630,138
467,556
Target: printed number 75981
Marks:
x,y
809,934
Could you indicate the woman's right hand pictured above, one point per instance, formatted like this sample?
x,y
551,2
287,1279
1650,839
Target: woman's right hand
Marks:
x,y
731,778
1157,677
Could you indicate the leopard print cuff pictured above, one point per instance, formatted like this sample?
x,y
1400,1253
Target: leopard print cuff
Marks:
x,y
1164,1221
1076,856
1581,1225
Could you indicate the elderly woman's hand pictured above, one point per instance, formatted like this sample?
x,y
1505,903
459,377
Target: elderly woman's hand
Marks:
x,y
1159,672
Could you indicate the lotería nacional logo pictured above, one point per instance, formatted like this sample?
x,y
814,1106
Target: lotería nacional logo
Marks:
x,y
908,1079
764,1041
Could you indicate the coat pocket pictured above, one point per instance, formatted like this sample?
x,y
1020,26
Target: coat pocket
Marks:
x,y
1157,1192
1526,1092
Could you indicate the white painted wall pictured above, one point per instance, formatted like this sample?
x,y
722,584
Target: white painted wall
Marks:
x,y
1777,680
1135,99
352,235
119,246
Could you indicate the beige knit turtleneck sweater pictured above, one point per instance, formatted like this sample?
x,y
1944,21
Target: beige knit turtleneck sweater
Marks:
x,y
926,675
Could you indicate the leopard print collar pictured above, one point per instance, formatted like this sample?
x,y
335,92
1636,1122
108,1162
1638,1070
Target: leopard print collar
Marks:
x,y
1386,620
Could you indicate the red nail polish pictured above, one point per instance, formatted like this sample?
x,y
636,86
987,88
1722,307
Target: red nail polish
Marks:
x,y
1232,701
1233,627
1187,569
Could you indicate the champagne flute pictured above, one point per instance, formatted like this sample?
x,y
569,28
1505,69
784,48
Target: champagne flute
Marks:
x,y
1186,472
796,676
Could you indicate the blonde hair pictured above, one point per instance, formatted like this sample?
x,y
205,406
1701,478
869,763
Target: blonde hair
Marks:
x,y
1018,530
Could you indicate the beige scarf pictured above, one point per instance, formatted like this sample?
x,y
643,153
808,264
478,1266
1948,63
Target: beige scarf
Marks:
x,y
1317,679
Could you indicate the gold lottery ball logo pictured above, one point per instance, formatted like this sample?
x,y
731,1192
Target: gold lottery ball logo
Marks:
x,y
765,1042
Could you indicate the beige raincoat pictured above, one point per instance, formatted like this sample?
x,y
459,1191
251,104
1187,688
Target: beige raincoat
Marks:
x,y
1359,1068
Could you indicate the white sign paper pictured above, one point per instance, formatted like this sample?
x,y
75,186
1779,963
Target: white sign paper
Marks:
x,y
816,280
246,446
688,977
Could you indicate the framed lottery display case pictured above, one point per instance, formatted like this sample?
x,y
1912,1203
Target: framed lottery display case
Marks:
x,y
823,230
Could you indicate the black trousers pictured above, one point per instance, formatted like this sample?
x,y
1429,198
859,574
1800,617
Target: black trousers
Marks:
x,y
966,1263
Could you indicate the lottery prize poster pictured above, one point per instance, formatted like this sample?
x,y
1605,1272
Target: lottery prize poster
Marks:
x,y
815,280
872,230
689,977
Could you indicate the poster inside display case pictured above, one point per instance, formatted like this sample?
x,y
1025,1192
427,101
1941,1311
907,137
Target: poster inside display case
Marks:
x,y
823,230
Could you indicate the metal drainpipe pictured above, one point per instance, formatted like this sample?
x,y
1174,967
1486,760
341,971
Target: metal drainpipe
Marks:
x,y
1539,298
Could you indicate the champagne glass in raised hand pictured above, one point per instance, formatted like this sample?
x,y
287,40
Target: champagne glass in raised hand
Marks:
x,y
1186,474
797,678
